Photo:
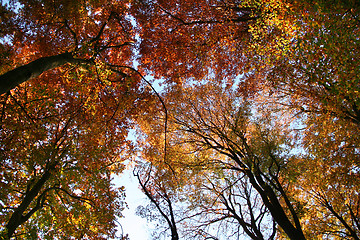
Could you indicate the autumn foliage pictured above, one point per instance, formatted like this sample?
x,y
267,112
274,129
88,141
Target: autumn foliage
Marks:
x,y
253,133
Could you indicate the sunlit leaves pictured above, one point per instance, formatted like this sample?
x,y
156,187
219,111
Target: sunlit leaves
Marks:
x,y
260,93
64,133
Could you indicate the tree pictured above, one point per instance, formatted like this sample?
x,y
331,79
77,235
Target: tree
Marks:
x,y
209,118
63,134
48,35
321,74
56,160
237,75
160,196
195,39
301,61
239,210
318,82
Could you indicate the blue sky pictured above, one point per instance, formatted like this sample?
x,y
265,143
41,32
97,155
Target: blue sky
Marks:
x,y
135,226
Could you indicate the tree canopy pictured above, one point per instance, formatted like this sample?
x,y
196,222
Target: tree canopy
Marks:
x,y
254,133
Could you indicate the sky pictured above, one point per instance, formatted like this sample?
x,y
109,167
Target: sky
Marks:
x,y
136,227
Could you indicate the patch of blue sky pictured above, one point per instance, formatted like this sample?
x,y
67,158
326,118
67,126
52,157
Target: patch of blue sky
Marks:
x,y
131,224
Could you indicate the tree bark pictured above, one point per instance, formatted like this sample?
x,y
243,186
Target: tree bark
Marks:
x,y
33,69
271,201
18,217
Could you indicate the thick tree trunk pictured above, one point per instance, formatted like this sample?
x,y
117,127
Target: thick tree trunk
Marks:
x,y
18,217
271,201
33,69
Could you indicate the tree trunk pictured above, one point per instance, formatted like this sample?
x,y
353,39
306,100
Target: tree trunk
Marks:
x,y
33,69
272,203
18,217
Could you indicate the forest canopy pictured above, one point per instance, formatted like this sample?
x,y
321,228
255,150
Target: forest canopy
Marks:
x,y
253,134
